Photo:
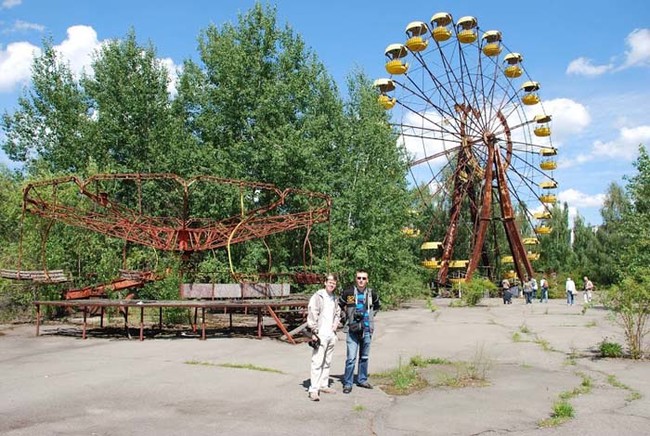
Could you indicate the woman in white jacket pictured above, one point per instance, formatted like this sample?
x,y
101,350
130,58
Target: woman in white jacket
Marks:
x,y
324,316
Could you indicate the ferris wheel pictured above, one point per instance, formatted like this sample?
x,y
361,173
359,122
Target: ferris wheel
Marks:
x,y
479,142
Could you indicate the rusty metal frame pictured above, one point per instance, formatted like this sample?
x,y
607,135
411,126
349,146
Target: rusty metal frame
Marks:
x,y
182,233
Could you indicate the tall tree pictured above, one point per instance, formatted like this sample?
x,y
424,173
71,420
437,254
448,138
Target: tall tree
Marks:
x,y
374,202
134,129
609,234
586,249
49,130
556,252
636,227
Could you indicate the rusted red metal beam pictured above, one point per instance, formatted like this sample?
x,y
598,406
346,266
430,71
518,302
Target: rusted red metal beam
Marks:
x,y
105,214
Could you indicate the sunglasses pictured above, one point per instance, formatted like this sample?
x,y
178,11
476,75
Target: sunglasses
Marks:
x,y
362,278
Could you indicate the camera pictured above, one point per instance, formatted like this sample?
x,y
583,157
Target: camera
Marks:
x,y
314,343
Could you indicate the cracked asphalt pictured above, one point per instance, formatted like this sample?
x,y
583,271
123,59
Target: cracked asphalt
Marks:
x,y
58,383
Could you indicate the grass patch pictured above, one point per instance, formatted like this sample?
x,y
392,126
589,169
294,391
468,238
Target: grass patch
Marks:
x,y
358,408
248,366
422,362
199,362
524,328
516,337
406,379
467,374
591,323
402,380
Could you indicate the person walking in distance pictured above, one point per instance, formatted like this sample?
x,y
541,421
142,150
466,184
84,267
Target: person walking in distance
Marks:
x,y
588,288
359,304
571,292
323,318
543,284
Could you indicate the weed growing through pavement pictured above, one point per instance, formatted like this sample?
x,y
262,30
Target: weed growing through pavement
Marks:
x,y
562,409
249,366
610,349
431,305
198,362
591,323
358,408
234,365
572,357
524,328
402,380
543,343
516,337
420,361
473,373
584,388
562,412
634,394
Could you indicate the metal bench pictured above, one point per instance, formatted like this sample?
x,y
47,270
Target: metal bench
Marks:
x,y
41,276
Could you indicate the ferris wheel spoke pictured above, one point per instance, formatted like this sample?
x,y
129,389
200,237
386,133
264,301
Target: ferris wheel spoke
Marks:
x,y
477,151
423,97
438,85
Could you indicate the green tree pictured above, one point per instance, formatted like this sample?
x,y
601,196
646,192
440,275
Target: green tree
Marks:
x,y
374,202
555,249
49,129
134,128
586,250
611,241
636,223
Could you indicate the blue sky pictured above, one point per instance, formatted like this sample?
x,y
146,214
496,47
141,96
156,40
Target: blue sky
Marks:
x,y
592,59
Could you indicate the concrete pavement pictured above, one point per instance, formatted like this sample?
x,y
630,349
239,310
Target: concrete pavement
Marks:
x,y
61,384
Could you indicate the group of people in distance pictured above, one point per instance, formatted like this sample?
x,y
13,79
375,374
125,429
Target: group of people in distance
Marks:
x,y
530,288
355,309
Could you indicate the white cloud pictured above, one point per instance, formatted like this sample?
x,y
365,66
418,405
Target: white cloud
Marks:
x,y
568,118
575,198
172,72
78,48
15,64
23,26
584,67
8,4
639,53
625,146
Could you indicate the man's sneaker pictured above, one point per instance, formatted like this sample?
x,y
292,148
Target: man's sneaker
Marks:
x,y
347,389
314,396
365,385
327,390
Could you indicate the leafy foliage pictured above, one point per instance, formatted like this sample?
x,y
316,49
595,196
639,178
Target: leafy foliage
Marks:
x,y
473,291
630,303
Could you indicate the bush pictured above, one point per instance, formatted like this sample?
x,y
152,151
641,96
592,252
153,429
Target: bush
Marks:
x,y
473,291
610,349
629,301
